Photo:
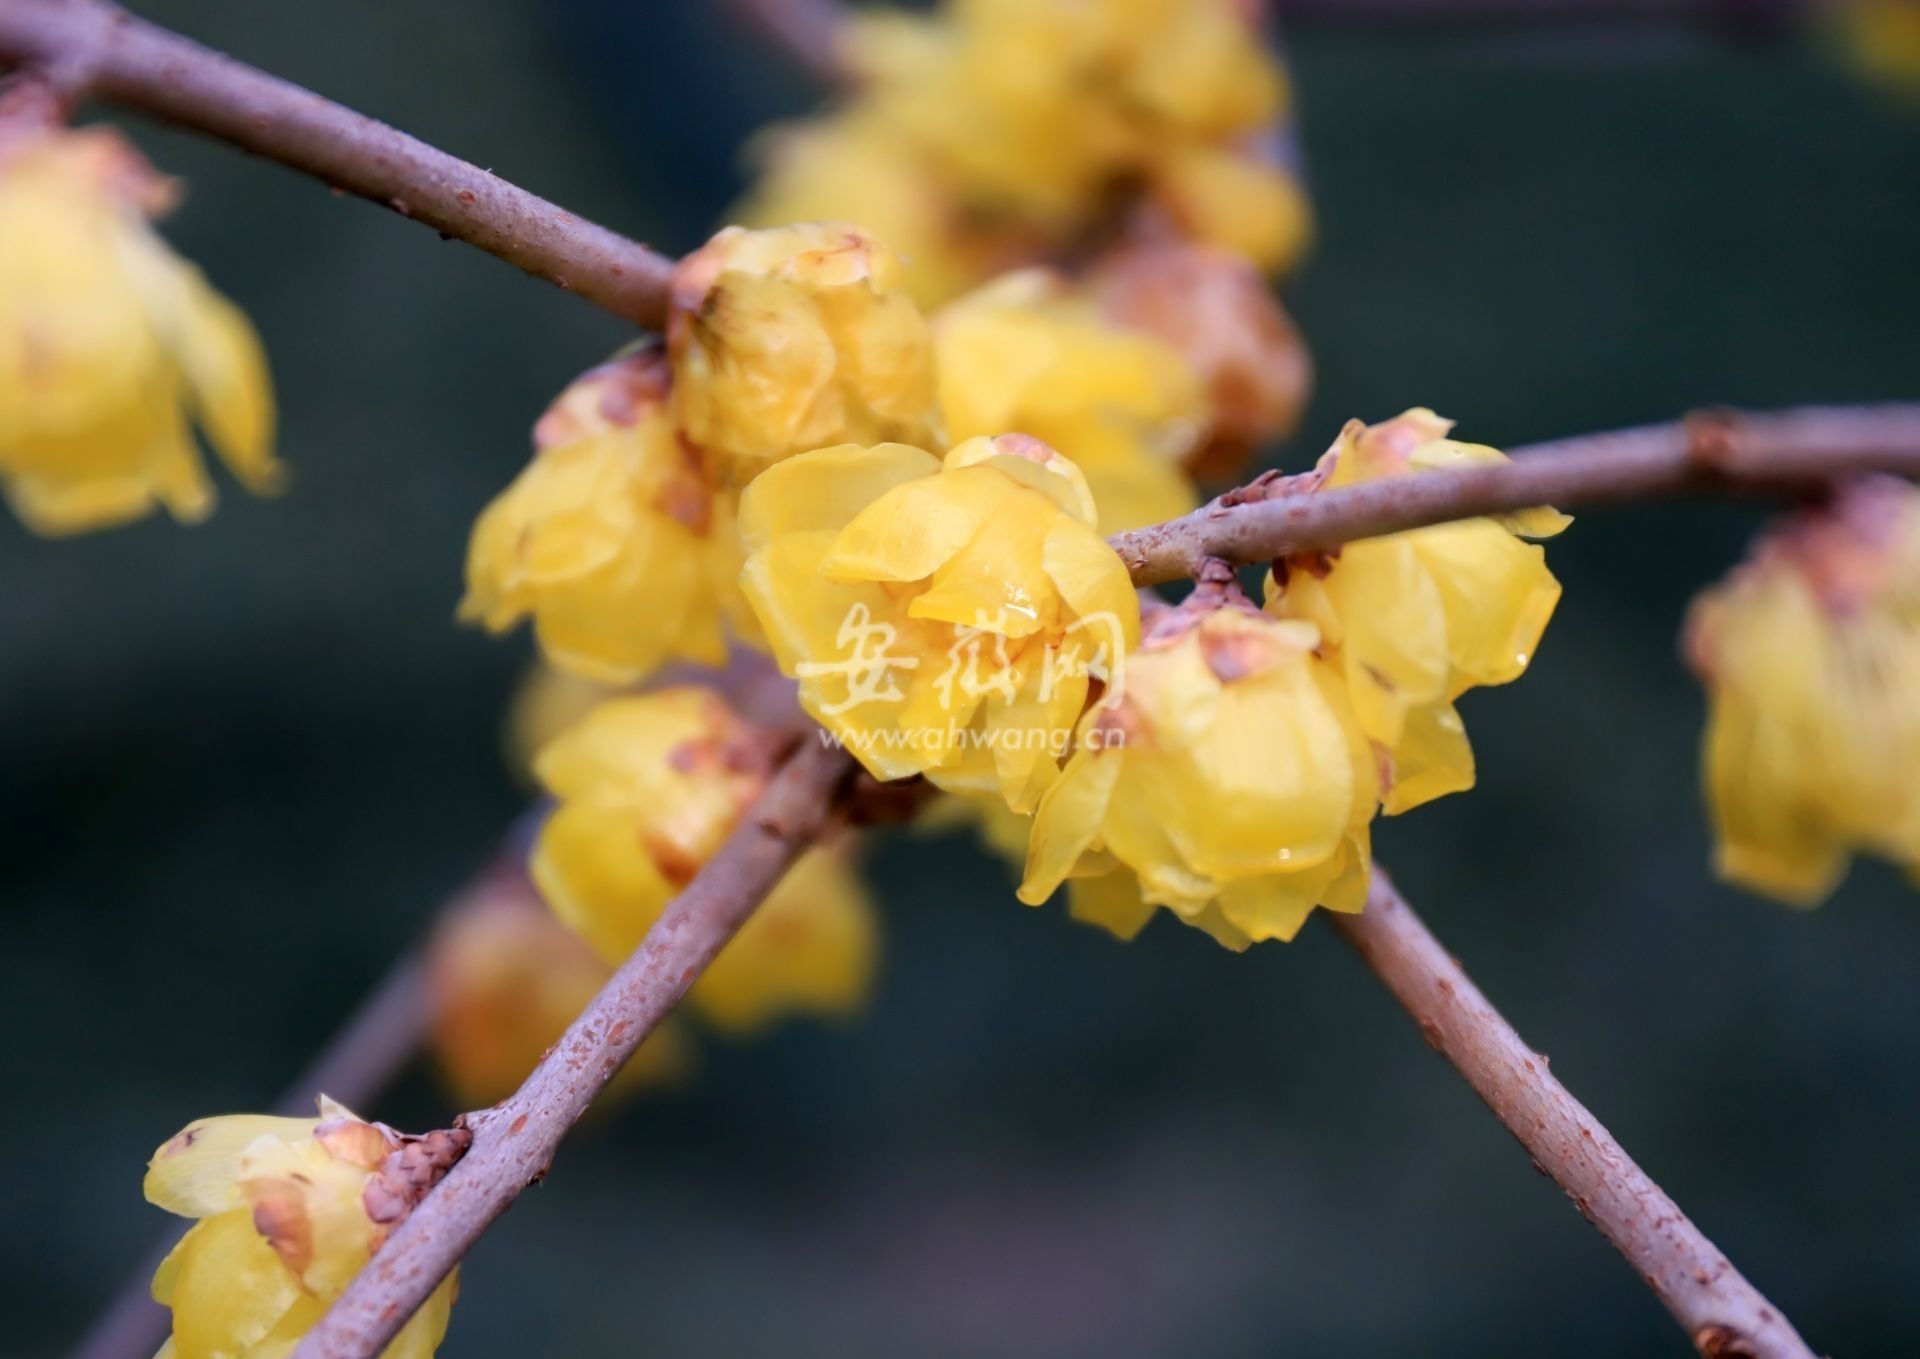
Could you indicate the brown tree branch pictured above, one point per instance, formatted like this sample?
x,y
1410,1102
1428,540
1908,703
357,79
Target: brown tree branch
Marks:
x,y
1725,1315
1789,452
97,47
514,1142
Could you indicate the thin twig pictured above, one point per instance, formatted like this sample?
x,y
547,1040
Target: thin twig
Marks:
x,y
514,1142
140,65
1725,1315
1717,452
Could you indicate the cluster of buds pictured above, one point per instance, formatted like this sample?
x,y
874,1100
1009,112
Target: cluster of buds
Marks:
x,y
111,346
993,132
289,1210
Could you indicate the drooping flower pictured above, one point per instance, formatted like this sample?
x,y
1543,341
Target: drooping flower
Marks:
x,y
504,980
1416,619
611,540
1214,308
648,787
1810,655
1025,353
795,338
943,618
289,1211
111,346
1229,783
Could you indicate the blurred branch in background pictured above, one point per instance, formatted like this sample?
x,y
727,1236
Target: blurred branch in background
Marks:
x,y
92,47
802,31
514,1142
1724,1314
378,1041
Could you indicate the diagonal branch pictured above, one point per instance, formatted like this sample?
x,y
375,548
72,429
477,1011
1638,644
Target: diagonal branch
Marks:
x,y
99,48
805,32
1723,453
1726,1316
514,1142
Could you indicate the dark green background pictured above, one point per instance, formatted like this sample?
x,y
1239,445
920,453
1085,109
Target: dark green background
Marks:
x,y
239,765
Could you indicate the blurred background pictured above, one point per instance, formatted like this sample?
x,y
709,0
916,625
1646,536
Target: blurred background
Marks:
x,y
242,764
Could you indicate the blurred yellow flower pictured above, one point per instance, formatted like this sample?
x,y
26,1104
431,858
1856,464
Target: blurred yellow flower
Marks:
x,y
1228,782
1416,619
853,166
943,618
993,132
504,980
647,788
1220,315
795,338
1883,38
289,1209
112,346
1810,654
611,540
1025,353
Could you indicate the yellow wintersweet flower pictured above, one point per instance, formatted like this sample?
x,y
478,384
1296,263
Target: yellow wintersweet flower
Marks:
x,y
943,618
791,339
1416,619
289,1210
611,540
1811,660
648,787
504,980
111,346
1214,308
1226,780
855,167
993,132
1026,353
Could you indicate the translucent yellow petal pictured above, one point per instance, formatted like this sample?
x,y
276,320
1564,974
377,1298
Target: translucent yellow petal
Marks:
x,y
918,526
193,1172
1068,822
825,489
229,1289
1498,596
1431,760
1111,901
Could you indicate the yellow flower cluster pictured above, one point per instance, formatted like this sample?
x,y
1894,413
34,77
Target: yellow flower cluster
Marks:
x,y
619,539
1882,37
944,617
112,346
1416,619
289,1210
1000,131
1807,652
1232,772
647,788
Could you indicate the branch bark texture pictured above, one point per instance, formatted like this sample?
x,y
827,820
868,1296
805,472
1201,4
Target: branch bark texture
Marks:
x,y
1724,1314
514,1142
96,47
1723,453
